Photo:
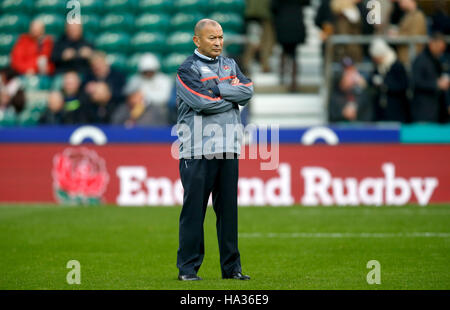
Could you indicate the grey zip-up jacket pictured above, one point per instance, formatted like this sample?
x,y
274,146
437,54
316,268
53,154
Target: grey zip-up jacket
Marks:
x,y
209,119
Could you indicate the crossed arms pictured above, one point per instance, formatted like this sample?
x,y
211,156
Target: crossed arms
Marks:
x,y
221,98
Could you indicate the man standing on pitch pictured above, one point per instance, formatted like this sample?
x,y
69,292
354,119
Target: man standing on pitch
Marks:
x,y
210,89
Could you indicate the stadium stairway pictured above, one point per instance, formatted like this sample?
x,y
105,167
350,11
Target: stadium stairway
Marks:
x,y
304,107
287,110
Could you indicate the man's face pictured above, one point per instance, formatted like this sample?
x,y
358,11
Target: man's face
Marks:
x,y
37,29
99,67
437,47
74,31
378,59
71,83
209,40
55,102
405,5
148,74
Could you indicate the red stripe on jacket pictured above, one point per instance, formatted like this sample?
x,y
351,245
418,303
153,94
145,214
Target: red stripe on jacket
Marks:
x,y
209,78
228,77
196,93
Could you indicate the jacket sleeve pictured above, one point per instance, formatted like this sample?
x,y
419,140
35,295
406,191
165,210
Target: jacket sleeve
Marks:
x,y
240,93
202,100
58,48
323,15
398,81
47,49
423,78
20,61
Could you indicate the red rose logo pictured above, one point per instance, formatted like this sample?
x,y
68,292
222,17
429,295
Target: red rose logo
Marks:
x,y
79,176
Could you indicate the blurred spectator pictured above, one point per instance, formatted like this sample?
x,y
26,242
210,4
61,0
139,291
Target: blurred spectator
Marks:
x,y
441,18
413,23
136,112
396,14
349,100
103,89
349,21
12,95
389,82
65,106
431,84
155,86
347,17
73,98
72,51
290,32
260,33
386,7
54,113
324,20
32,51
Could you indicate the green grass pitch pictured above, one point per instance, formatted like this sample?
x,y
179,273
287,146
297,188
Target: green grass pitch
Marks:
x,y
281,248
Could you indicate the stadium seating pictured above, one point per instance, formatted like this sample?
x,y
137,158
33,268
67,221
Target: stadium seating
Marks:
x,y
7,42
117,22
155,6
36,82
30,116
36,88
191,6
16,6
111,42
184,21
54,23
57,82
120,6
91,6
91,25
237,6
4,61
148,41
180,42
133,62
118,61
171,63
231,22
8,117
125,29
152,22
14,23
49,6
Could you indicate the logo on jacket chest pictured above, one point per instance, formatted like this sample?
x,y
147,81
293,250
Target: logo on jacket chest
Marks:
x,y
205,69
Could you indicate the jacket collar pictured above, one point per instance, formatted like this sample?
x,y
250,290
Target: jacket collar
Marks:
x,y
205,58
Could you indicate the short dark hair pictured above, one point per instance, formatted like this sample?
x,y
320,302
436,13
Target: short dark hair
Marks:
x,y
437,36
202,23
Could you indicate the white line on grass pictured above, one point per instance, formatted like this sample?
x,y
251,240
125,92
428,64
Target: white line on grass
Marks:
x,y
347,235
